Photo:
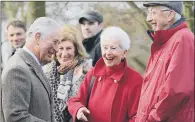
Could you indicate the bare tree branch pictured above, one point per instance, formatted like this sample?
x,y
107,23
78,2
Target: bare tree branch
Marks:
x,y
141,16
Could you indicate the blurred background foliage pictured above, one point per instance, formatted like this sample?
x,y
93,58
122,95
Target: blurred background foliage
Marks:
x,y
131,17
28,11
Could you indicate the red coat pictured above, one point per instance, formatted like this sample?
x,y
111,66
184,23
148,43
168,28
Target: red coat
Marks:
x,y
168,88
115,94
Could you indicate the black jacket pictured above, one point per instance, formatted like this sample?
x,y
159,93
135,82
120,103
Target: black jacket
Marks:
x,y
92,46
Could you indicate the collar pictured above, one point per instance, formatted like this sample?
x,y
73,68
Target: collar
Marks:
x,y
162,36
31,62
100,69
32,54
91,40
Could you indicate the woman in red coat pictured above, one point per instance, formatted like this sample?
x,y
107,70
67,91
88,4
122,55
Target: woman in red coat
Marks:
x,y
116,90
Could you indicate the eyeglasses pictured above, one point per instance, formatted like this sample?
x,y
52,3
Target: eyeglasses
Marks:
x,y
153,13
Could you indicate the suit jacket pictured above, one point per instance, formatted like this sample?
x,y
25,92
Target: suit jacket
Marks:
x,y
26,94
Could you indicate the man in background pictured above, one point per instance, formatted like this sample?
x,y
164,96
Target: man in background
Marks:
x,y
91,23
16,34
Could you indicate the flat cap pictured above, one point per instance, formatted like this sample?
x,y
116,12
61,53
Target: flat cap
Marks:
x,y
91,16
177,6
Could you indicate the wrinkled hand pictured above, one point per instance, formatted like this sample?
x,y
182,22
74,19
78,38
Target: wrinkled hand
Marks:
x,y
67,65
82,114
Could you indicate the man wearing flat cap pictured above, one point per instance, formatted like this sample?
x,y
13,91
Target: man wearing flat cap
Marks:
x,y
167,93
91,26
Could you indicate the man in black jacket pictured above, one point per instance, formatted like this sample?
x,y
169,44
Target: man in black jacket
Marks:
x,y
91,26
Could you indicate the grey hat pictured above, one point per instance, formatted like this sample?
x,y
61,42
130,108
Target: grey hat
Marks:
x,y
177,6
92,16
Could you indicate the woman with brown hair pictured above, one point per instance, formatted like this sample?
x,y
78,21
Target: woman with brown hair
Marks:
x,y
67,71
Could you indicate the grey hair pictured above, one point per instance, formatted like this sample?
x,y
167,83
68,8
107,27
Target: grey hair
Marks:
x,y
177,16
43,25
117,33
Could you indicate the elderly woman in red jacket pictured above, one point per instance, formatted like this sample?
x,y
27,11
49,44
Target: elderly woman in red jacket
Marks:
x,y
116,90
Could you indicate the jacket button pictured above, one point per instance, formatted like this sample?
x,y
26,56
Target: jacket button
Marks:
x,y
99,79
115,81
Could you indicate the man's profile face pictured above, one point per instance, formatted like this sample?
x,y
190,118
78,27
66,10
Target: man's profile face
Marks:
x,y
48,47
16,36
90,29
158,17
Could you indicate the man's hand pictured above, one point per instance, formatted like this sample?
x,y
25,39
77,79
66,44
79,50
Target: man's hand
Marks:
x,y
81,114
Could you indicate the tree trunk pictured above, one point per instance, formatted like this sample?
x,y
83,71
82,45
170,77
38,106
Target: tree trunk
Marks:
x,y
141,17
35,9
11,9
189,14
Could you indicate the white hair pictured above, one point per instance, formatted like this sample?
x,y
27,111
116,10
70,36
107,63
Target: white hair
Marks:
x,y
43,25
177,16
116,33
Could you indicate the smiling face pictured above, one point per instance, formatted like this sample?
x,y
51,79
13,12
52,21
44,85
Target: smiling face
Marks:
x,y
48,47
90,29
66,51
112,52
159,18
16,36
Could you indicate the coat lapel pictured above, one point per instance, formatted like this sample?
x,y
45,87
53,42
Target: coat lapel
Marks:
x,y
36,67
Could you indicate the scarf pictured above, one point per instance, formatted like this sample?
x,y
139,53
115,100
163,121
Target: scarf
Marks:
x,y
65,85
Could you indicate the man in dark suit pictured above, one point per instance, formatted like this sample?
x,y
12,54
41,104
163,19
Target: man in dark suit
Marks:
x,y
26,94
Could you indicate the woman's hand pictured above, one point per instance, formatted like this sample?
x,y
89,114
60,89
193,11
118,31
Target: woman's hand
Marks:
x,y
67,65
82,114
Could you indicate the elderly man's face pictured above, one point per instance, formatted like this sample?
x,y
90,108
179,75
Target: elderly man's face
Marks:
x,y
158,18
90,29
111,52
48,47
16,36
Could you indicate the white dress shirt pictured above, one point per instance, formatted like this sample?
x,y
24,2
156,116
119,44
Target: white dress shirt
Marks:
x,y
32,54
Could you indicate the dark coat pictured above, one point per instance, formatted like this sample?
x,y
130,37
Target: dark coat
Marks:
x,y
92,46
